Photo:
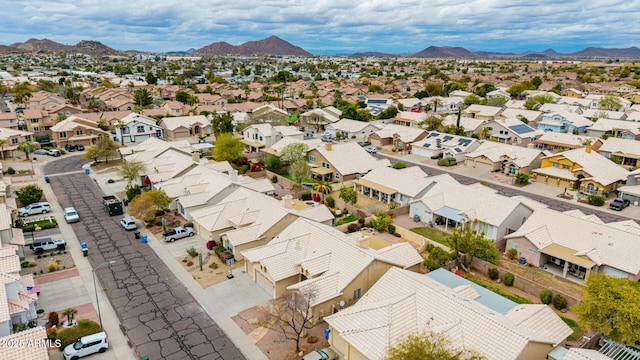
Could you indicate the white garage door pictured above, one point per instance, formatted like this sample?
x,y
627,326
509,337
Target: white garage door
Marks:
x,y
264,282
484,167
422,151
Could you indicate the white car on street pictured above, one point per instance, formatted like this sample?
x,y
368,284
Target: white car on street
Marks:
x,y
71,215
129,223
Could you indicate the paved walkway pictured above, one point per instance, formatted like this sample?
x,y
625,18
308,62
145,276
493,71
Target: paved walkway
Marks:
x,y
154,308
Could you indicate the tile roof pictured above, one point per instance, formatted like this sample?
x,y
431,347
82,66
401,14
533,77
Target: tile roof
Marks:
x,y
410,181
35,337
602,243
351,158
173,123
495,152
404,302
600,169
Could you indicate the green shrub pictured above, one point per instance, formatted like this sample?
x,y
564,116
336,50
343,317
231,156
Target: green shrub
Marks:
x,y
133,191
48,225
435,157
546,296
353,227
493,273
329,201
345,211
508,279
188,224
40,311
396,234
399,165
51,267
83,328
29,194
213,265
437,258
559,301
159,212
447,162
273,163
11,171
306,196
274,179
243,169
430,247
391,229
192,251
512,253
24,264
596,200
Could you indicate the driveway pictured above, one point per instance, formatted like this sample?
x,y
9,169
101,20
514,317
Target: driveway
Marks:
x,y
155,310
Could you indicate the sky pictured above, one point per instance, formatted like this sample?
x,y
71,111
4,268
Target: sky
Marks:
x,y
328,26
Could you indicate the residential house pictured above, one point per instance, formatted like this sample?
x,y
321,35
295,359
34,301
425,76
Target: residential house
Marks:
x,y
160,166
571,92
17,302
276,149
136,128
9,120
409,118
410,104
631,191
616,128
342,162
258,136
444,105
582,169
352,129
400,186
37,335
450,146
556,142
624,104
551,107
625,152
590,245
492,156
310,257
75,130
482,112
42,97
35,121
452,204
268,113
469,317
578,103
400,137
499,94
526,116
245,219
13,139
510,131
469,125
175,108
568,122
595,114
633,97
186,127
376,105
317,119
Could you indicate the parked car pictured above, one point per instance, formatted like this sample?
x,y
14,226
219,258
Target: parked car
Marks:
x,y
371,150
619,203
41,152
47,244
35,208
178,233
364,143
87,345
71,215
54,152
69,148
322,354
80,147
129,223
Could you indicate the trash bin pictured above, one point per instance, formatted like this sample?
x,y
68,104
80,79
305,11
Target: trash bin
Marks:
x,y
125,202
85,249
144,239
144,358
46,178
87,171
137,234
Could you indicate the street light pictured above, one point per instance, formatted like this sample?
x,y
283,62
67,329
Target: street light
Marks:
x,y
95,288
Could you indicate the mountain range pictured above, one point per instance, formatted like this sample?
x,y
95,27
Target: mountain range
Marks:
x,y
274,45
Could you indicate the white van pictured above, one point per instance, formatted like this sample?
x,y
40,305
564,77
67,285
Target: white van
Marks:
x,y
87,345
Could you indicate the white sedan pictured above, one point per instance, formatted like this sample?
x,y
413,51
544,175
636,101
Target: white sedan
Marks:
x,y
128,223
71,215
371,150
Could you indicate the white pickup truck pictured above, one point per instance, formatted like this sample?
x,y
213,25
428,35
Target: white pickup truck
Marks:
x,y
177,233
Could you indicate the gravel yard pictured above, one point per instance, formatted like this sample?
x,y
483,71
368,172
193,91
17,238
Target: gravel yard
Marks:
x,y
59,260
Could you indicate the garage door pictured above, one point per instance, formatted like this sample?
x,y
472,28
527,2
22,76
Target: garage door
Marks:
x,y
265,283
614,272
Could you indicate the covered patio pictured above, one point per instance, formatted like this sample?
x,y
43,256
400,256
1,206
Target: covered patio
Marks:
x,y
374,191
252,146
320,173
564,262
449,217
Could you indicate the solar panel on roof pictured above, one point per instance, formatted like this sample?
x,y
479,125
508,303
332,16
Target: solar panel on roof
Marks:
x,y
521,128
433,135
457,150
464,142
447,138
426,145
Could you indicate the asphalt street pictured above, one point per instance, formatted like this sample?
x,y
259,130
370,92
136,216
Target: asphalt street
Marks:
x,y
156,311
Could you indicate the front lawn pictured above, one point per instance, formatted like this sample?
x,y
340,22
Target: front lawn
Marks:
x,y
46,223
433,234
577,330
288,176
346,219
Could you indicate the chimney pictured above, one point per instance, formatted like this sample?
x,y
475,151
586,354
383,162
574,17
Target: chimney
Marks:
x,y
587,149
287,201
195,156
233,175
327,146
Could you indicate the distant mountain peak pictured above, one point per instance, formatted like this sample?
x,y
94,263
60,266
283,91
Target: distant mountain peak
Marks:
x,y
272,45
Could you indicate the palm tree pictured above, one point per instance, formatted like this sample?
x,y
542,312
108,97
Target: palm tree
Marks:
x,y
322,187
192,100
3,143
26,147
120,125
70,313
484,133
130,170
436,102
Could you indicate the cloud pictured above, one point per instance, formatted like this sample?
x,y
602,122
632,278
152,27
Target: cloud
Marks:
x,y
327,25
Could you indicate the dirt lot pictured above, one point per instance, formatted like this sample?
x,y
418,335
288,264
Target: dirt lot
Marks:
x,y
269,338
208,276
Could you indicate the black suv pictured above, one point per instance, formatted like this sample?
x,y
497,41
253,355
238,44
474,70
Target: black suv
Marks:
x,y
618,204
80,147
69,148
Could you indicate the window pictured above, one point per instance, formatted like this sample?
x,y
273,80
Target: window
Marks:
x,y
158,133
566,167
512,169
34,121
589,188
79,132
140,128
36,128
63,134
312,158
326,165
14,141
555,164
337,175
261,139
28,137
357,294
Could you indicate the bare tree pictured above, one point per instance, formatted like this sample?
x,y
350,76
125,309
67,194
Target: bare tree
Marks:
x,y
292,314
